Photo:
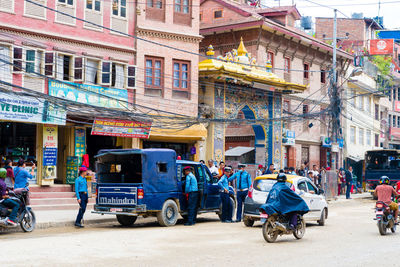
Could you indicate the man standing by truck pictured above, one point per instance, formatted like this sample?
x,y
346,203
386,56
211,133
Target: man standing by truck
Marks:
x,y
243,183
223,183
192,190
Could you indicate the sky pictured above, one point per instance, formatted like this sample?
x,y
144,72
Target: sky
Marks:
x,y
389,9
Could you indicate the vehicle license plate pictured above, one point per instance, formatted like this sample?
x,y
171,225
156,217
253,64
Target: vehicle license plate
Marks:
x,y
264,216
115,209
379,212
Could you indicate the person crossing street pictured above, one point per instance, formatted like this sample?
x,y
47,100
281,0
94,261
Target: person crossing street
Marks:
x,y
243,183
192,190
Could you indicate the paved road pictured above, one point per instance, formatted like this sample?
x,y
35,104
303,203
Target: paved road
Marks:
x,y
350,238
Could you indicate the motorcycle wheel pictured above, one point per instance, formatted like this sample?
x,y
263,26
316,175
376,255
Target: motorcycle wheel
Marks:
x,y
268,232
300,231
382,228
393,229
28,222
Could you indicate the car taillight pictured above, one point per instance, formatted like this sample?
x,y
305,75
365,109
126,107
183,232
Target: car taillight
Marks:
x,y
140,193
250,193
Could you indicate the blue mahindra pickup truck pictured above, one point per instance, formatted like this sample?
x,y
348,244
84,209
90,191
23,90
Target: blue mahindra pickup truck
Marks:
x,y
150,182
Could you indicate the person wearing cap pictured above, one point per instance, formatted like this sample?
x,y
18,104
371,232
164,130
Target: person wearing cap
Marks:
x,y
223,183
243,183
192,190
260,170
81,195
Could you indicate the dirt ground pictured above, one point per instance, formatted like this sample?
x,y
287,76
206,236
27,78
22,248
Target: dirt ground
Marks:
x,y
350,238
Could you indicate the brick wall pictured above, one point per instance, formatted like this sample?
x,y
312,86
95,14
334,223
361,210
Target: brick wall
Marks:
x,y
355,27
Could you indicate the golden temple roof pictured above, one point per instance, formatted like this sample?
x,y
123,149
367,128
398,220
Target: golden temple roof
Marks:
x,y
238,66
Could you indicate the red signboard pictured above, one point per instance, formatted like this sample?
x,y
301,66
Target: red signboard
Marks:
x,y
395,132
396,105
121,128
381,47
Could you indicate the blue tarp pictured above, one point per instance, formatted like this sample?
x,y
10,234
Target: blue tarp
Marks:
x,y
283,200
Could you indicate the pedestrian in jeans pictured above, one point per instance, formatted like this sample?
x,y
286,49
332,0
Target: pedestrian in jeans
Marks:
x,y
6,201
349,181
81,195
192,190
243,183
223,183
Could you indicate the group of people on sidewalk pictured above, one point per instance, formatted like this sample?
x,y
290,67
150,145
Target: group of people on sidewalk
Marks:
x,y
14,179
347,181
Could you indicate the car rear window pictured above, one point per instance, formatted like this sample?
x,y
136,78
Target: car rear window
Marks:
x,y
266,185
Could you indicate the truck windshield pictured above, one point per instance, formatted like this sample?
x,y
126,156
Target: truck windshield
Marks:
x,y
119,168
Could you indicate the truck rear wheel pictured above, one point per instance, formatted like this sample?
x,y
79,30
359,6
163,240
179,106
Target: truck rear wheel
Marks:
x,y
168,215
126,220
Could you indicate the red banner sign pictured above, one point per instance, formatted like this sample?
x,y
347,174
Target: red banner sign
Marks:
x,y
121,128
395,132
381,47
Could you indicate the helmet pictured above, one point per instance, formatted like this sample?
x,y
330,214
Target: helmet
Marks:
x,y
3,173
281,177
384,180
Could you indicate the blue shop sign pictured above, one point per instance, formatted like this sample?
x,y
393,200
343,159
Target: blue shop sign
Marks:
x,y
341,142
326,141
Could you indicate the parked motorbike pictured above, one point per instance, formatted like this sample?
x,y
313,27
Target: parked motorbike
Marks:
x,y
275,225
384,217
25,217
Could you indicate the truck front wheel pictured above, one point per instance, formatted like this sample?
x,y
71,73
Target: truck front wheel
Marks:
x,y
168,215
126,220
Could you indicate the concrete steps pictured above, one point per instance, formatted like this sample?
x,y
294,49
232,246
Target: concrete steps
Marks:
x,y
56,197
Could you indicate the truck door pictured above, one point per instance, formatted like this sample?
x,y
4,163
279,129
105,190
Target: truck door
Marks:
x,y
200,175
181,186
213,199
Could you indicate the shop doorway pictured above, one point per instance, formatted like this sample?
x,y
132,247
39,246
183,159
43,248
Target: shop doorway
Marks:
x,y
181,149
94,143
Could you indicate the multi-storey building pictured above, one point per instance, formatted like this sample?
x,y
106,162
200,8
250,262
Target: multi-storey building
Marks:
x,y
269,34
103,72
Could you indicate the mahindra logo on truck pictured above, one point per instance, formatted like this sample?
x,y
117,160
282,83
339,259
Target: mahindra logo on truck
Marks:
x,y
115,200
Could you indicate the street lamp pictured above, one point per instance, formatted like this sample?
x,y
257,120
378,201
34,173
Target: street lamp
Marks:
x,y
356,72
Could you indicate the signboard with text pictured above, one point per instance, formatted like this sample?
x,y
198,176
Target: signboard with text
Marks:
x,y
50,141
90,94
29,109
80,143
72,169
396,105
381,47
121,128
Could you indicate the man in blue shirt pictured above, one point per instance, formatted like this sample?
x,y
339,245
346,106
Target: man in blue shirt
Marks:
x,y
243,183
270,170
81,195
192,190
223,183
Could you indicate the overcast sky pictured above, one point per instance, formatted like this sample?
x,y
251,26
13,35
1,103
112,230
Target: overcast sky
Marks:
x,y
389,11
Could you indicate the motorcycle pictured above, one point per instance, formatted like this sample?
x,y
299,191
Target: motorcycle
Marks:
x,y
25,216
275,224
384,217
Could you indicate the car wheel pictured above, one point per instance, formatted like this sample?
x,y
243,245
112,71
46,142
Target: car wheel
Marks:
x,y
248,221
321,221
168,215
125,220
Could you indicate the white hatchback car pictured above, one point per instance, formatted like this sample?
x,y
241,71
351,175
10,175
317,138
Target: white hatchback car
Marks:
x,y
301,185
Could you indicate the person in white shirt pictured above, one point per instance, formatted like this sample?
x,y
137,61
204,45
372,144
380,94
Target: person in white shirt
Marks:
x,y
212,167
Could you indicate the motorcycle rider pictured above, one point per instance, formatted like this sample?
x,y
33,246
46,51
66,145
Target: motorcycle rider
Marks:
x,y
384,192
6,201
283,200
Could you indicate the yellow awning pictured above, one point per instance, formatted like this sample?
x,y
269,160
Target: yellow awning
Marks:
x,y
192,133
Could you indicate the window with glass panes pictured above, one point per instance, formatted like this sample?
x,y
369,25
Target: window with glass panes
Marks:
x,y
153,73
306,73
368,137
93,5
119,8
68,2
30,61
394,121
353,135
287,64
398,121
361,136
155,3
270,58
182,6
181,74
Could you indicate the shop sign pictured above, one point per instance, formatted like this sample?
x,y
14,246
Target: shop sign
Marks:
x,y
121,128
381,47
289,138
341,142
80,143
395,132
90,94
326,141
335,147
50,137
72,169
29,109
396,105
